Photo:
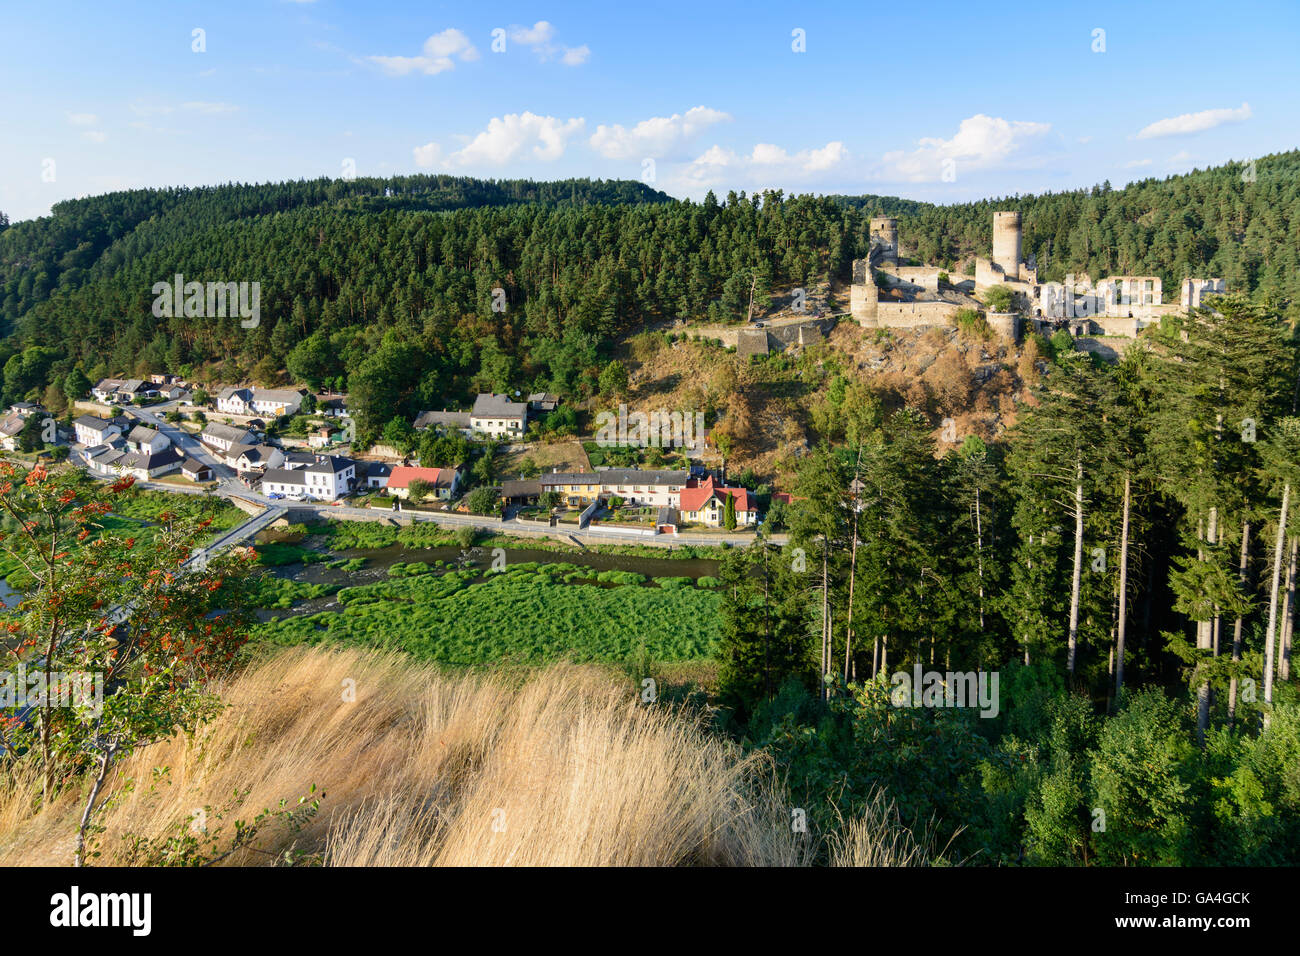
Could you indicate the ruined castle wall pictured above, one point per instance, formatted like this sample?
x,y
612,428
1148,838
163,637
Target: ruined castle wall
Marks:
x,y
912,315
988,273
919,277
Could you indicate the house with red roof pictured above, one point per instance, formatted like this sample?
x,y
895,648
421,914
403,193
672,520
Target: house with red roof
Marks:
x,y
704,502
444,481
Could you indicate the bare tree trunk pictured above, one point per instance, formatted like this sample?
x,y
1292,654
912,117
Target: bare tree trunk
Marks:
x,y
853,573
1078,566
1123,589
1272,605
1205,642
105,761
1236,628
826,618
979,551
1288,614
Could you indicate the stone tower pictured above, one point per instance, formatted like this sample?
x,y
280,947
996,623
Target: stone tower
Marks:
x,y
884,229
1006,243
864,298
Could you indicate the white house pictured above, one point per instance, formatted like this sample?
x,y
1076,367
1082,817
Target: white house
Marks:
x,y
245,458
144,438
224,437
259,401
499,417
195,470
92,430
327,480
235,401
124,390
141,464
377,473
11,427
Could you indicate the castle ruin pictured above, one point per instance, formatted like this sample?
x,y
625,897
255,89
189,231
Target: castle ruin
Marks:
x,y
885,294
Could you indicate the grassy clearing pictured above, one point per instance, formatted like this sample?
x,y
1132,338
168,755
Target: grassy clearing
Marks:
x,y
413,769
523,615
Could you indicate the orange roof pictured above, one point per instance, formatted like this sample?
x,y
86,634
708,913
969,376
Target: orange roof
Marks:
x,y
697,493
403,475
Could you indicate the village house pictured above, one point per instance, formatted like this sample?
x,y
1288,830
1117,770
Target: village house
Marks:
x,y
329,479
246,458
140,464
224,437
650,488
443,420
11,427
276,402
142,438
91,430
704,502
443,482
122,390
373,474
499,417
520,492
195,470
333,407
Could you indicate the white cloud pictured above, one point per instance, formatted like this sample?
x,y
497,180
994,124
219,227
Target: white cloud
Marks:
x,y
438,55
1194,122
507,138
540,38
657,136
575,55
430,154
1134,163
94,135
83,119
765,161
807,160
832,154
540,33
1182,156
981,142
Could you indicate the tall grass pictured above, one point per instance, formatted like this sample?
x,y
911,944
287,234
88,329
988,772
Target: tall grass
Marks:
x,y
567,767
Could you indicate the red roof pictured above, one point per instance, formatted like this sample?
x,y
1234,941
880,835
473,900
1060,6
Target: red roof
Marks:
x,y
403,475
697,493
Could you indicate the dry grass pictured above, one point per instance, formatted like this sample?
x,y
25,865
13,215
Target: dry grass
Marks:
x,y
565,768
879,838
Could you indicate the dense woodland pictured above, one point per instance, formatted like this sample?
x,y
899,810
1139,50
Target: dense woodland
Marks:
x,y
1125,560
385,286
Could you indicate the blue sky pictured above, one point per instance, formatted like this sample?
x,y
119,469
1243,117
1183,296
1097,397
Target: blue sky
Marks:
x,y
936,101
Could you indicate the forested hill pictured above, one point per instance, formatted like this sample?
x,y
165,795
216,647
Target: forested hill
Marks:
x,y
1238,221
62,251
389,283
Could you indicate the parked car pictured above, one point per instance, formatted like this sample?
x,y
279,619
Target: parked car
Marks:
x,y
275,496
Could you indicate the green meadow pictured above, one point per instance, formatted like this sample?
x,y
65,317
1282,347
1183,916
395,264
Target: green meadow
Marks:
x,y
527,614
